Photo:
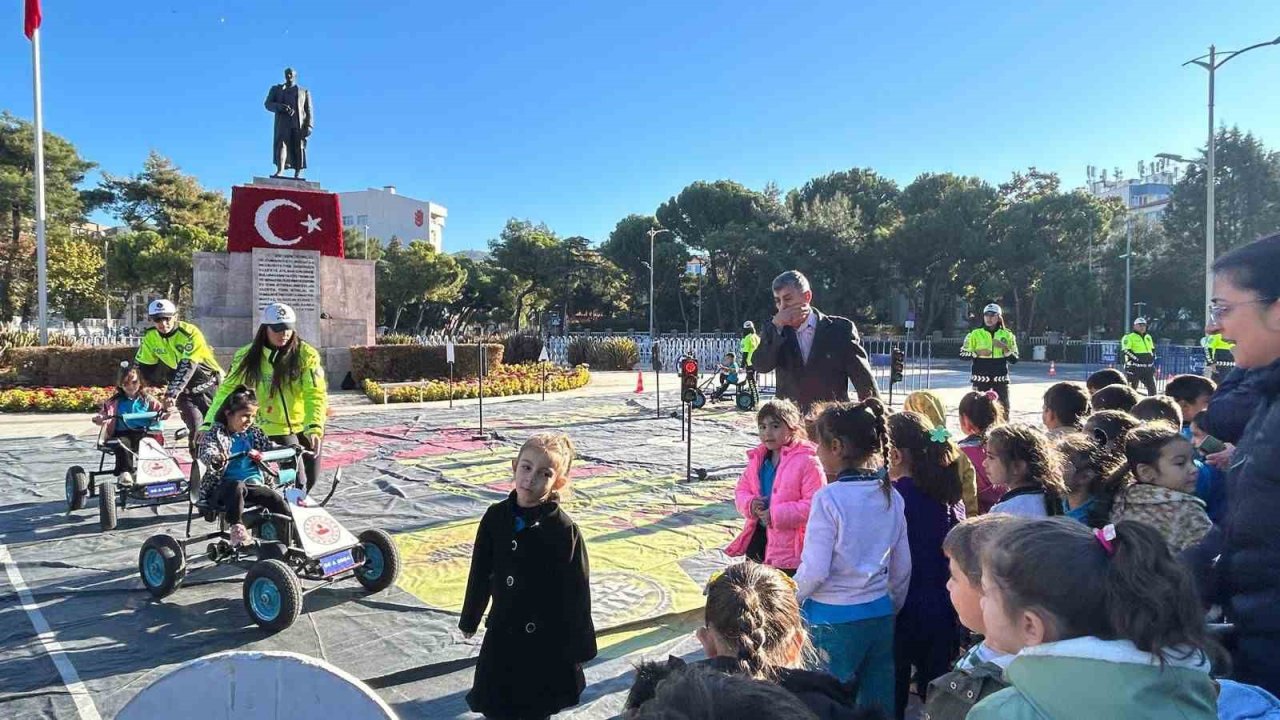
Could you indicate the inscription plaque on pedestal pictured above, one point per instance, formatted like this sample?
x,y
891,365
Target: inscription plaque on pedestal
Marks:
x,y
291,277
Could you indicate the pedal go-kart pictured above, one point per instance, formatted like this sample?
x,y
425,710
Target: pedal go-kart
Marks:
x,y
305,546
745,392
154,477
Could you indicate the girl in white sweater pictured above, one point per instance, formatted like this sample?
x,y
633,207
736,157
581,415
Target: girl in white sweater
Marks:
x,y
856,564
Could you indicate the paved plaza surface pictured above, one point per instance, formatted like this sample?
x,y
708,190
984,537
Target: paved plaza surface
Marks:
x,y
75,618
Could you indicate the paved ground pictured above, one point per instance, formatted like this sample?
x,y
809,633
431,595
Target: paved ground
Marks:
x,y
78,635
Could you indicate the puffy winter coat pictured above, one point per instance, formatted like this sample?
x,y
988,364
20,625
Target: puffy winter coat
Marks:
x,y
798,478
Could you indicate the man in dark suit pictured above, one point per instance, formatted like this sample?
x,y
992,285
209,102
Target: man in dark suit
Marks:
x,y
291,104
815,356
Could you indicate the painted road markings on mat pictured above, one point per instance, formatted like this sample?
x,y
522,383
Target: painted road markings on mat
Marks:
x,y
70,678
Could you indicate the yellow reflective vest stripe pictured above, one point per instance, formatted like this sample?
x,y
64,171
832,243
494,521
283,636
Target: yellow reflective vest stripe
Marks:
x,y
186,341
298,406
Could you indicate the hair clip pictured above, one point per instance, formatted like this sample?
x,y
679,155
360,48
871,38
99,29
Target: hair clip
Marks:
x,y
991,395
1106,536
711,580
125,363
940,434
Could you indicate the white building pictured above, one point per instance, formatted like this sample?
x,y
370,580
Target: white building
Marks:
x,y
384,214
1146,196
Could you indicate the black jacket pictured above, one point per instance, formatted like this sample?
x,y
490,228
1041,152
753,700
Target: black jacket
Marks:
x,y
539,629
836,359
1231,406
1247,577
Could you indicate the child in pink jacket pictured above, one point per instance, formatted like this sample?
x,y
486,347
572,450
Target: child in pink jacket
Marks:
x,y
774,492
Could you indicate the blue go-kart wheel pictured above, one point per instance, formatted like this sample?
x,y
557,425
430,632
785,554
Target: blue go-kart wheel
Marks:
x,y
162,565
745,400
699,400
272,595
381,561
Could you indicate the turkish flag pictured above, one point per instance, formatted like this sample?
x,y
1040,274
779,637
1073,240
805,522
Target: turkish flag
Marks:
x,y
33,17
284,218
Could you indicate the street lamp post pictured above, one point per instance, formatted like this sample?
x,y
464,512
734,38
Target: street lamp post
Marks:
x,y
1212,62
653,337
653,233
366,242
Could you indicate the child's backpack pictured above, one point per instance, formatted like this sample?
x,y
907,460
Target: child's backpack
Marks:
x,y
953,695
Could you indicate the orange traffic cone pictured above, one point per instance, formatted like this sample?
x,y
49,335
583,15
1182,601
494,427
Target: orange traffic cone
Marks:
x,y
639,381
1053,369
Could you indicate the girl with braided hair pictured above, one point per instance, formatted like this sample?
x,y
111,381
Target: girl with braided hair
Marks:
x,y
752,628
1022,458
856,564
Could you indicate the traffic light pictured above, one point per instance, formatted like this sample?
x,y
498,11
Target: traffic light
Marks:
x,y
688,378
897,364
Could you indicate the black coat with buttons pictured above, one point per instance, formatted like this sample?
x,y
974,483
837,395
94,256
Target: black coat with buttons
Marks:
x,y
539,630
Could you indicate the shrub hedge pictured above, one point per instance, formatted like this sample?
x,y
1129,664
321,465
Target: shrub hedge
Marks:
x,y
403,363
521,348
505,380
65,399
68,366
604,353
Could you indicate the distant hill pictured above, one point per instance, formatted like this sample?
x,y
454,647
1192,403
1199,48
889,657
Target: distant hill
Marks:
x,y
473,255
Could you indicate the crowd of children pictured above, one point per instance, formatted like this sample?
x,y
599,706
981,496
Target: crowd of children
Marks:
x,y
1056,593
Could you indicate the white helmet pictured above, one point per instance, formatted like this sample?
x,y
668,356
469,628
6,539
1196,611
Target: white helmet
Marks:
x,y
161,308
1140,321
992,308
278,314
748,325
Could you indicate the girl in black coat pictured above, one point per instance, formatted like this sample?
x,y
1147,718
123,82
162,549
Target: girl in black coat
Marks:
x,y
531,560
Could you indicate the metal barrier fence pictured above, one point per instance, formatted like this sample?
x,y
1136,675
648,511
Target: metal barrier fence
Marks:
x,y
709,351
1171,360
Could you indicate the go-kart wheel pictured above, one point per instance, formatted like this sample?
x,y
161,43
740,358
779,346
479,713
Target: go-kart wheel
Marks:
x,y
162,565
381,561
268,531
699,401
77,487
107,505
744,401
272,595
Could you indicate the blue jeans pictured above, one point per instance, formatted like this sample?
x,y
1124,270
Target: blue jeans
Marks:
x,y
863,650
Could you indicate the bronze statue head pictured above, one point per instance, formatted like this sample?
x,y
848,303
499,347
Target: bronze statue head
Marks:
x,y
288,77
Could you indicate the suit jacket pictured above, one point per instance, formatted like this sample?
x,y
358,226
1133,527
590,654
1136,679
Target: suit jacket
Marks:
x,y
836,359
302,115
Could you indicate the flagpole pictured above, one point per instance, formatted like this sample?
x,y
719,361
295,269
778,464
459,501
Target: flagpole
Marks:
x,y
42,288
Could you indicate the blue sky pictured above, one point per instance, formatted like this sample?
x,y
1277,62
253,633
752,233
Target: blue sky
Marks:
x,y
578,113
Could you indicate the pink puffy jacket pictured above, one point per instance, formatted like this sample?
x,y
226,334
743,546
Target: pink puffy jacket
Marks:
x,y
798,478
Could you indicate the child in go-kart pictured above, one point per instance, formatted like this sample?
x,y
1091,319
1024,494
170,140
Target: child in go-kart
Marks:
x,y
233,478
728,375
130,398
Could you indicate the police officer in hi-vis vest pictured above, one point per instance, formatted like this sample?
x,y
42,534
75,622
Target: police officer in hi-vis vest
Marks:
x,y
1139,350
1218,356
993,348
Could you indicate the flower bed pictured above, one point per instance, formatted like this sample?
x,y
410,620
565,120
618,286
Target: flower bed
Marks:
x,y
61,399
500,381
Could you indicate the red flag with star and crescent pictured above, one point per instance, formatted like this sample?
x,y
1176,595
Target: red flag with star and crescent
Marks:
x,y
284,219
31,19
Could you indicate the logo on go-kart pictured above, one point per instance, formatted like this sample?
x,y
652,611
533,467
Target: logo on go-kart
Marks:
x,y
156,468
322,530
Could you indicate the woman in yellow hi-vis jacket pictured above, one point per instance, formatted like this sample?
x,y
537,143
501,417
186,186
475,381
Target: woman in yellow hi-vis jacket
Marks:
x,y
286,374
993,349
1218,356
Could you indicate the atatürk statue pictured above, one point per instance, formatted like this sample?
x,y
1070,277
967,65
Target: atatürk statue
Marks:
x,y
292,107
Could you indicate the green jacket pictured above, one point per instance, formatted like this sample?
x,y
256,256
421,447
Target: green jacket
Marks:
x,y
953,696
984,339
1091,678
183,360
1138,344
748,345
298,407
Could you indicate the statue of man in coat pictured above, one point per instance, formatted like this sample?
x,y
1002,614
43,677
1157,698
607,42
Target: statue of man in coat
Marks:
x,y
291,105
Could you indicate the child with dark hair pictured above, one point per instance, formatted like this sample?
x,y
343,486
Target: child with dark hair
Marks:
x,y
924,466
697,692
1087,465
1108,427
232,478
1157,486
775,489
979,412
1103,378
1158,408
929,404
1192,394
1115,397
1066,405
130,398
980,672
1021,458
752,627
729,371
1105,624
856,566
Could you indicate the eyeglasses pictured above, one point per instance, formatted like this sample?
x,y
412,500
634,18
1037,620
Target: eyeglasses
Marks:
x,y
160,318
279,327
1218,311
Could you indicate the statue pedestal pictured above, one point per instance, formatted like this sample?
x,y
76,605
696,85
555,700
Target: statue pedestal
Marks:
x,y
282,249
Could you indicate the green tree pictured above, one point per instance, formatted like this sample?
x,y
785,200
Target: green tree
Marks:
x,y
532,254
353,239
75,276
166,258
628,248
65,204
487,298
416,273
162,197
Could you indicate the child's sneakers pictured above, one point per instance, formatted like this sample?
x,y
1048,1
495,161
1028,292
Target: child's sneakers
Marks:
x,y
239,535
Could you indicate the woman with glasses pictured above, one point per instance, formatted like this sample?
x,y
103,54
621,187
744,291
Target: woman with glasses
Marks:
x,y
175,356
287,375
1245,579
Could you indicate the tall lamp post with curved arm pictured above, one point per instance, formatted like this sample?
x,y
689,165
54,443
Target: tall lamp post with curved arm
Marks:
x,y
1212,62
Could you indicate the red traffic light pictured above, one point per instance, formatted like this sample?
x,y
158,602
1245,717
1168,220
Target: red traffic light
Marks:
x,y
688,366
